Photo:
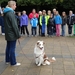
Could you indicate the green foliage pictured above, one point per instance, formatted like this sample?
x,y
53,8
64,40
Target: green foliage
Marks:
x,y
34,2
66,4
37,2
22,2
69,4
1,1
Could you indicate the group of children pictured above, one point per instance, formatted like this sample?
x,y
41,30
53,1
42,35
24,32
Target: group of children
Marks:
x,y
54,22
41,20
51,21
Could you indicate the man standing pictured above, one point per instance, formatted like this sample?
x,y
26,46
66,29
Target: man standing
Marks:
x,y
11,33
70,20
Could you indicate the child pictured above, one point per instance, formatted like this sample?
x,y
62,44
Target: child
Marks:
x,y
34,22
50,25
48,16
43,22
18,20
58,22
39,26
24,23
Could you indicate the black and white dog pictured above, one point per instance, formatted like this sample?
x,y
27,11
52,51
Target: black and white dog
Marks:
x,y
40,56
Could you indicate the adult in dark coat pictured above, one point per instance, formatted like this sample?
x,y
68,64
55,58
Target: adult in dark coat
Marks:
x,y
2,24
11,33
70,20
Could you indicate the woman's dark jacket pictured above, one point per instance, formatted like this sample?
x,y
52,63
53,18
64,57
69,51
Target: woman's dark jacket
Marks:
x,y
64,20
51,22
10,23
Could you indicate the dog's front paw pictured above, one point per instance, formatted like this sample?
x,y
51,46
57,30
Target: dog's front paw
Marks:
x,y
38,64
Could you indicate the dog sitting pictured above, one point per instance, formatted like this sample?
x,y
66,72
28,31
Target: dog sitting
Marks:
x,y
40,56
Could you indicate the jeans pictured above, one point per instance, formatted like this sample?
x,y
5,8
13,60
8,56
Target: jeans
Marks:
x,y
43,30
50,30
10,52
63,30
69,29
34,31
2,29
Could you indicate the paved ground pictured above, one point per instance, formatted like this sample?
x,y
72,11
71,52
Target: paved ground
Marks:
x,y
62,48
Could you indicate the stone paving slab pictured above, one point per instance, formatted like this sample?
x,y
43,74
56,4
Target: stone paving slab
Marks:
x,y
62,48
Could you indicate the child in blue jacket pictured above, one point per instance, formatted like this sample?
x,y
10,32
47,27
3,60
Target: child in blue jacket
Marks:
x,y
34,23
58,22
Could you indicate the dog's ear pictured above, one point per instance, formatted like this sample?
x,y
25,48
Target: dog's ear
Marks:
x,y
43,42
37,42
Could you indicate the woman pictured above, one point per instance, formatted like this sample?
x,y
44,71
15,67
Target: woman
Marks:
x,y
24,23
31,15
64,22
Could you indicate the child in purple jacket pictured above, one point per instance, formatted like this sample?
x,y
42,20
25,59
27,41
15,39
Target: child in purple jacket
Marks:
x,y
24,23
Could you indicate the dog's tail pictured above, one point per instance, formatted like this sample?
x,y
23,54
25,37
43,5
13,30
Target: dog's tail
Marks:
x,y
52,60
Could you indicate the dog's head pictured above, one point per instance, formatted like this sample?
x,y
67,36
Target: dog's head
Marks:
x,y
40,45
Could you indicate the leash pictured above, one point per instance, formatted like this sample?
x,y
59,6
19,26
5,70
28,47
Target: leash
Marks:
x,y
23,51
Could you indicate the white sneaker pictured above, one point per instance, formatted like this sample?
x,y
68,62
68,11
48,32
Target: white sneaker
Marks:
x,y
17,64
3,33
7,63
32,35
